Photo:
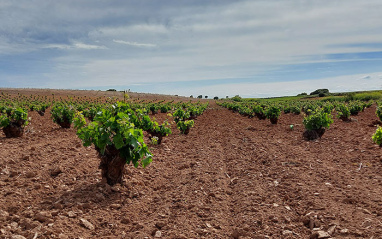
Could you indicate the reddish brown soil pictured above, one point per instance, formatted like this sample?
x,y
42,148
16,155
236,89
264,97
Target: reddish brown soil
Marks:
x,y
231,177
91,94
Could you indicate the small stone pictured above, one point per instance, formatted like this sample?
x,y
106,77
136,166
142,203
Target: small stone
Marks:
x,y
126,221
26,224
260,236
332,229
160,224
237,233
62,236
366,211
86,206
358,233
287,219
28,213
115,206
287,232
17,237
85,223
275,220
311,223
100,197
366,224
158,234
201,231
320,235
344,231
43,216
287,208
30,174
5,171
4,213
58,205
71,214
55,213
25,157
14,225
54,172
137,227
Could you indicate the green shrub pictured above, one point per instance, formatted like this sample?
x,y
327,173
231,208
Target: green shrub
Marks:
x,y
259,112
309,108
273,113
180,115
63,115
165,108
159,131
317,120
245,111
328,108
153,108
116,140
378,112
343,112
377,136
18,116
185,126
295,110
13,120
287,109
355,108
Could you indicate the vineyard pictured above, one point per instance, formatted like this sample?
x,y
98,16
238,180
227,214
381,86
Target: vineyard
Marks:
x,y
195,168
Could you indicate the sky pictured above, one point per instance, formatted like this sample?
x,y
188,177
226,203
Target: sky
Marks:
x,y
251,48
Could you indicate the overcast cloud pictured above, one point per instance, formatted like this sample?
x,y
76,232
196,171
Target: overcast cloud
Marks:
x,y
251,48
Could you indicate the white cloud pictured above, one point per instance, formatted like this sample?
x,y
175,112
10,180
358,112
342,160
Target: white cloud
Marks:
x,y
76,45
136,44
80,45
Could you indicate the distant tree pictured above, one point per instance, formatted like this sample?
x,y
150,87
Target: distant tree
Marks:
x,y
206,96
200,96
216,98
320,91
303,93
226,96
191,96
236,98
111,90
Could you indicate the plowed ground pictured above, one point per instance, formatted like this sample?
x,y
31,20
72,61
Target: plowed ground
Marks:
x,y
231,177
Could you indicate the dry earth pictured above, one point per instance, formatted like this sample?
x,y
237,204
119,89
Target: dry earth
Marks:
x,y
231,177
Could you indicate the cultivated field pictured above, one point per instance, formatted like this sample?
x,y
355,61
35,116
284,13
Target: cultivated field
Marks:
x,y
230,177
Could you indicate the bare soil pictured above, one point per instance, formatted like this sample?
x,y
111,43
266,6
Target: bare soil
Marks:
x,y
230,177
